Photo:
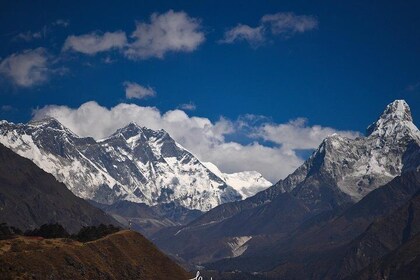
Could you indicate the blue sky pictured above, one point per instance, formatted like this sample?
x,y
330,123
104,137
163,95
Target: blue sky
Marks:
x,y
254,65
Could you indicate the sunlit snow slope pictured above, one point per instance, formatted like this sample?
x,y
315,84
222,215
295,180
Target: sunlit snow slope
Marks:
x,y
134,163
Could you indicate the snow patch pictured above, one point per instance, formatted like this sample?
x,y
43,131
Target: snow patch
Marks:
x,y
247,183
238,245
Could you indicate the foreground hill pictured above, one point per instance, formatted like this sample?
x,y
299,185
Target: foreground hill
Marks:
x,y
123,255
30,197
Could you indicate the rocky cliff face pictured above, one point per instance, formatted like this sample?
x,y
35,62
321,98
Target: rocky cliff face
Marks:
x,y
344,170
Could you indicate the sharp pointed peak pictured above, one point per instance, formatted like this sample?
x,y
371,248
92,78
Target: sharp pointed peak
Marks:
x,y
129,130
132,129
396,113
398,109
48,121
51,123
133,125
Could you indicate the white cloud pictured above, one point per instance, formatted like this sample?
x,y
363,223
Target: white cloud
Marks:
x,y
27,68
296,134
29,36
168,32
289,23
42,33
134,90
253,35
285,24
108,60
188,106
201,136
93,43
61,22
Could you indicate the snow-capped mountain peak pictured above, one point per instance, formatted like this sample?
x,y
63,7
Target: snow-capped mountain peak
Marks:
x,y
134,163
128,131
247,183
345,170
396,122
398,110
50,123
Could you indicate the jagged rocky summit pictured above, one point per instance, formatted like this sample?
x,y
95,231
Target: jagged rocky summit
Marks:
x,y
135,164
345,170
340,175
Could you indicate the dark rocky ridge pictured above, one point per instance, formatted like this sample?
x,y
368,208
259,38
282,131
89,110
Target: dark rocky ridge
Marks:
x,y
403,264
30,197
338,245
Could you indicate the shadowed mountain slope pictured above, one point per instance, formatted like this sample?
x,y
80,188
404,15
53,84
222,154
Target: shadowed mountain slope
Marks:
x,y
30,197
308,203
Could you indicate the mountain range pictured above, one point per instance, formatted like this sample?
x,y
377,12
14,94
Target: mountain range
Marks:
x,y
31,197
134,164
350,211
300,224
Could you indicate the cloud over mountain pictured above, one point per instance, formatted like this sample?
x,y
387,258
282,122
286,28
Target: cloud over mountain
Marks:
x,y
205,138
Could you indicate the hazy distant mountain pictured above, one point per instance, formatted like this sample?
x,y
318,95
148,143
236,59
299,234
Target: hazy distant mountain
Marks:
x,y
247,183
135,164
338,174
149,219
30,197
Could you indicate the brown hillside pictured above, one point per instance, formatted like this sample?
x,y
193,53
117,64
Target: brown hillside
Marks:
x,y
123,255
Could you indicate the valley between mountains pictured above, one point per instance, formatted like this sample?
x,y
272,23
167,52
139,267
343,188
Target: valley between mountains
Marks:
x,y
350,211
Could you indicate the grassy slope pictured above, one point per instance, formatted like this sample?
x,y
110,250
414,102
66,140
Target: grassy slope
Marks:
x,y
123,255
